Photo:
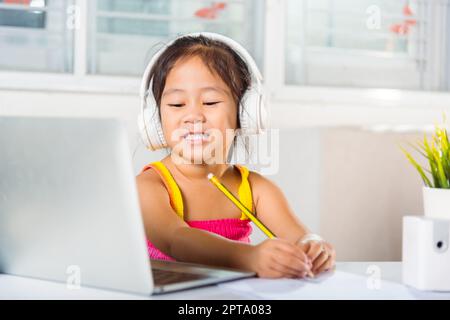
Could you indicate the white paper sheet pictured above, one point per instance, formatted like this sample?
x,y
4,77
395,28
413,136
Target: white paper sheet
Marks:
x,y
336,285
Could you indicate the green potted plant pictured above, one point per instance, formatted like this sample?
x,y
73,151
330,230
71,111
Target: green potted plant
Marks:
x,y
436,176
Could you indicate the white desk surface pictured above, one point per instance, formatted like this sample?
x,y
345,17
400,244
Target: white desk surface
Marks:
x,y
14,287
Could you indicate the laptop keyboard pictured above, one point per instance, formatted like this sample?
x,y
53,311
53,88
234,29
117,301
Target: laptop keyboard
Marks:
x,y
163,277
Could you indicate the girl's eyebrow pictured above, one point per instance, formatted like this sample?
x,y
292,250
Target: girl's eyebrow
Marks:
x,y
169,91
209,88
214,88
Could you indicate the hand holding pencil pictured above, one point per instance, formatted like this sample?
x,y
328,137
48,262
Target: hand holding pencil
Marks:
x,y
278,258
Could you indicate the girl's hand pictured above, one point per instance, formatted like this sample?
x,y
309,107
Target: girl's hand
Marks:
x,y
278,258
322,255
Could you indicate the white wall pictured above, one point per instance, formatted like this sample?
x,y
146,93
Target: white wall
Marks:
x,y
367,186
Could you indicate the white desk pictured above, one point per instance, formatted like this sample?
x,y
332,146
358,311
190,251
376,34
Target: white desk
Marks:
x,y
13,287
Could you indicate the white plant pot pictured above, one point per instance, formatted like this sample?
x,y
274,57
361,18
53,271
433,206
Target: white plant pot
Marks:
x,y
436,203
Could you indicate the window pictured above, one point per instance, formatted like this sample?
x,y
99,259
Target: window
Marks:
x,y
301,46
367,43
34,36
123,35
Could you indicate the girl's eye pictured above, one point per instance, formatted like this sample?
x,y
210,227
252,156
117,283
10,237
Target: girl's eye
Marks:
x,y
211,103
176,104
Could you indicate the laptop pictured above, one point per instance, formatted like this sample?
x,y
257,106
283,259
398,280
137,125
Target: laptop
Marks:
x,y
69,210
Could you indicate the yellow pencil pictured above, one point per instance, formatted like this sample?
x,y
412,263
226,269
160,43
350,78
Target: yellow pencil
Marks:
x,y
246,211
239,204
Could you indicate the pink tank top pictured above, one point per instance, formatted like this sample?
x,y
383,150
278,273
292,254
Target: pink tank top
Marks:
x,y
233,229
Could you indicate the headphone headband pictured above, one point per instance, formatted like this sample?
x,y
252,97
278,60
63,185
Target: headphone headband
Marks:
x,y
256,74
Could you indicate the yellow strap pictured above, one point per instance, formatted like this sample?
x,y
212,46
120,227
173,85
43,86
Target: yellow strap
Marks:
x,y
174,192
244,191
176,199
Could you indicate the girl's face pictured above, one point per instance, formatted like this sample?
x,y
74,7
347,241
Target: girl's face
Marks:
x,y
198,113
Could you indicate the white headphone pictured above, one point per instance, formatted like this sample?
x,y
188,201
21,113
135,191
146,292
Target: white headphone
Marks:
x,y
252,110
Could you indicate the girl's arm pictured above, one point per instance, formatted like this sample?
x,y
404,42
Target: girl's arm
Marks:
x,y
174,237
274,211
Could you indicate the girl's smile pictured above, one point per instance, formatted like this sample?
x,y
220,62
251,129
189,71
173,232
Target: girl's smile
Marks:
x,y
197,138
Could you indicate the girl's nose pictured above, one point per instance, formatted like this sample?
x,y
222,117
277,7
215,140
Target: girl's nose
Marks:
x,y
194,114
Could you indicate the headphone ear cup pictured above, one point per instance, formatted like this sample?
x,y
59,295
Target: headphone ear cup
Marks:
x,y
150,128
161,142
142,130
253,113
263,113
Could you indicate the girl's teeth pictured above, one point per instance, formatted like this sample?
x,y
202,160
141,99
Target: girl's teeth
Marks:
x,y
197,136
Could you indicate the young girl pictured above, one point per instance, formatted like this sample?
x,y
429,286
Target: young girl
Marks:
x,y
197,83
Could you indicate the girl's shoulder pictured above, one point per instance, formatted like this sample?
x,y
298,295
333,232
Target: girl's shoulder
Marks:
x,y
261,186
149,177
257,180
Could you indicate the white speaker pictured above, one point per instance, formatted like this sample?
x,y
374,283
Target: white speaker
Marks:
x,y
426,254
